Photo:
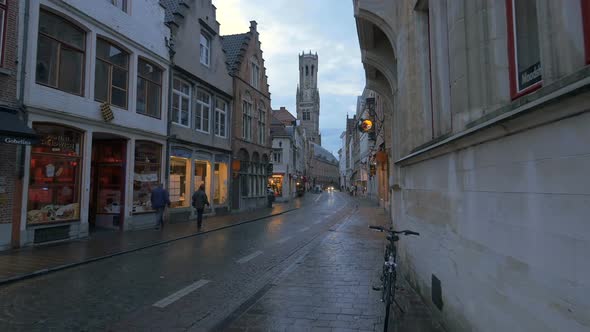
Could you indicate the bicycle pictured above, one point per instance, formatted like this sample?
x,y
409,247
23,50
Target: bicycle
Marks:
x,y
389,274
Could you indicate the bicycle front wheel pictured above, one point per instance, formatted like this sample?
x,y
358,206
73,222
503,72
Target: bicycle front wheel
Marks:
x,y
388,298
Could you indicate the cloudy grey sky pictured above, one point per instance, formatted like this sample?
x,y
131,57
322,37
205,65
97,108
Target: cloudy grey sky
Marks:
x,y
286,29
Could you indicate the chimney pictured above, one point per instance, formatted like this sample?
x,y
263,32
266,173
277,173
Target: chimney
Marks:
x,y
283,108
253,25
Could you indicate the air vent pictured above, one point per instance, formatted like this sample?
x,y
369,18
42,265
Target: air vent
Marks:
x,y
437,293
52,234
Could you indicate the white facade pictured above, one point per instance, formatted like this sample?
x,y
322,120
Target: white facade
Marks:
x,y
141,33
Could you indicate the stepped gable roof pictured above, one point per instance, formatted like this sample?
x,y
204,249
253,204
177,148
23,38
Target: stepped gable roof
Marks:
x,y
320,153
234,47
173,7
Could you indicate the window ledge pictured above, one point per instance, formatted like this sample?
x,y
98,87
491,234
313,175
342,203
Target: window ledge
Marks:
x,y
569,85
7,72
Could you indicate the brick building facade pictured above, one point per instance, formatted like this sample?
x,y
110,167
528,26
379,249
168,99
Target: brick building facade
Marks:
x,y
251,143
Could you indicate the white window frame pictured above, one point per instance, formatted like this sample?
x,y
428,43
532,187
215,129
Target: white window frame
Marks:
x,y
255,74
180,95
205,49
199,109
3,20
123,5
217,123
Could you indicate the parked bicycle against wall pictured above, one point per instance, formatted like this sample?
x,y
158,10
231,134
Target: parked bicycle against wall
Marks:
x,y
389,274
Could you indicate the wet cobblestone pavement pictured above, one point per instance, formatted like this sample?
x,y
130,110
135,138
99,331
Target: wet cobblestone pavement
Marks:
x,y
309,269
330,289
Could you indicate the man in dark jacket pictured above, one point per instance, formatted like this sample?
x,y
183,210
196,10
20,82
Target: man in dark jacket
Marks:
x,y
160,199
199,202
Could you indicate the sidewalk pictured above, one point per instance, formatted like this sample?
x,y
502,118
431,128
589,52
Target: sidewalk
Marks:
x,y
32,261
331,288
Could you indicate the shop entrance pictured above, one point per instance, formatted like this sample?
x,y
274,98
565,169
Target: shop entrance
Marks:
x,y
107,185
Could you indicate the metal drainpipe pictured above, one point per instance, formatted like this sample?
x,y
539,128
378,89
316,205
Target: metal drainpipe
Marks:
x,y
20,97
171,52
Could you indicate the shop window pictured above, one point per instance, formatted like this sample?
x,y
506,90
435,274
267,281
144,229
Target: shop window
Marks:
x,y
179,186
3,12
586,23
220,117
220,192
146,174
149,89
202,171
60,54
112,71
205,49
54,185
181,99
523,47
202,111
276,184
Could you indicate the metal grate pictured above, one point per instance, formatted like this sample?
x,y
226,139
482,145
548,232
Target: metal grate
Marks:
x,y
437,292
51,234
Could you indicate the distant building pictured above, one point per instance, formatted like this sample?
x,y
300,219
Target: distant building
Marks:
x,y
308,96
323,167
288,157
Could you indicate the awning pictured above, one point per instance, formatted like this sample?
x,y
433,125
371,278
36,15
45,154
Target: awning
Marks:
x,y
15,131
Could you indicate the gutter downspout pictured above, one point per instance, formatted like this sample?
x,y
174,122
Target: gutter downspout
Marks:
x,y
171,52
21,149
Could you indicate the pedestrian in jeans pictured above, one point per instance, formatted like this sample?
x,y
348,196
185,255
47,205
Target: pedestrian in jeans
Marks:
x,y
199,202
160,199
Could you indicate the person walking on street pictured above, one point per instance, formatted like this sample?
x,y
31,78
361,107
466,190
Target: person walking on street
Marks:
x,y
199,202
160,199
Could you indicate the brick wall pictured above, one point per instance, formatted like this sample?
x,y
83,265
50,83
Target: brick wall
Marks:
x,y
7,169
8,68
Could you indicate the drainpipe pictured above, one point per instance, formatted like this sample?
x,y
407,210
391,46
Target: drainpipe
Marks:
x,y
171,52
21,149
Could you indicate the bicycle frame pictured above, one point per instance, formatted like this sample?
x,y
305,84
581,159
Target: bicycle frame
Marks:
x,y
389,273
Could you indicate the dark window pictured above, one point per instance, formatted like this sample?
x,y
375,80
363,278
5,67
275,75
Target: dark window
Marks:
x,y
3,11
60,54
523,47
149,89
586,23
112,71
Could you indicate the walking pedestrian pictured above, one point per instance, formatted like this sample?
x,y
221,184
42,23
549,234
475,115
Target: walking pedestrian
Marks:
x,y
199,201
160,199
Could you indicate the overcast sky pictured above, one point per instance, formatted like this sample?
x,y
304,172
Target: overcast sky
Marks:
x,y
286,29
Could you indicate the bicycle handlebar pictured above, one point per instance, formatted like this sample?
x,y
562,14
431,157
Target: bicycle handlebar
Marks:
x,y
391,231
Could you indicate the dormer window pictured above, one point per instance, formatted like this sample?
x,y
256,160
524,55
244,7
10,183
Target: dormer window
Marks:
x,y
121,4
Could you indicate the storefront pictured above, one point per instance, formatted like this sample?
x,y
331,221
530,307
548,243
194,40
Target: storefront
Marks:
x,y
15,135
54,176
275,182
87,179
190,169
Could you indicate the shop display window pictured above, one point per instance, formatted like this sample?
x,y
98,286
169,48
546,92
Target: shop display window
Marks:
x,y
221,186
54,180
179,182
202,171
146,174
276,184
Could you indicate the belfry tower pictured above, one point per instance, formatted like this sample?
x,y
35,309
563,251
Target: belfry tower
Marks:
x,y
308,96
